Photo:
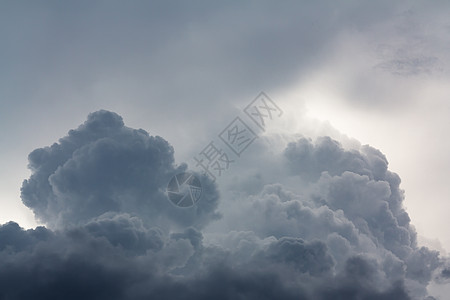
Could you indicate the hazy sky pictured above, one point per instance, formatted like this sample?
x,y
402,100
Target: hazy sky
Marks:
x,y
363,72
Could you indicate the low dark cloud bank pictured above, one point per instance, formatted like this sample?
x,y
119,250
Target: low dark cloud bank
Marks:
x,y
112,233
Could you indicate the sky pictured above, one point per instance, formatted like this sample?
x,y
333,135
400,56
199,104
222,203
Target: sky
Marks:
x,y
102,102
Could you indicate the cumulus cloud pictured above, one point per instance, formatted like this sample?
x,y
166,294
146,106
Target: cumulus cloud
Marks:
x,y
104,166
341,233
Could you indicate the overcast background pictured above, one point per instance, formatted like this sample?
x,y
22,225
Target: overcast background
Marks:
x,y
376,72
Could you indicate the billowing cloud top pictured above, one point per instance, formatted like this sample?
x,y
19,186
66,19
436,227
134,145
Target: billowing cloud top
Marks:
x,y
339,232
104,166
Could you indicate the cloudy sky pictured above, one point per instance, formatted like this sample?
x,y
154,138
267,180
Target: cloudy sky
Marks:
x,y
346,194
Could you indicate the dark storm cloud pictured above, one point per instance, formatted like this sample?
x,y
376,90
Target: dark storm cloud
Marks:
x,y
350,201
126,232
446,273
100,189
115,235
77,264
104,166
310,159
294,252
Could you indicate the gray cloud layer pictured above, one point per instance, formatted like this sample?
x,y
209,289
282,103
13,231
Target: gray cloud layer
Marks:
x,y
115,235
